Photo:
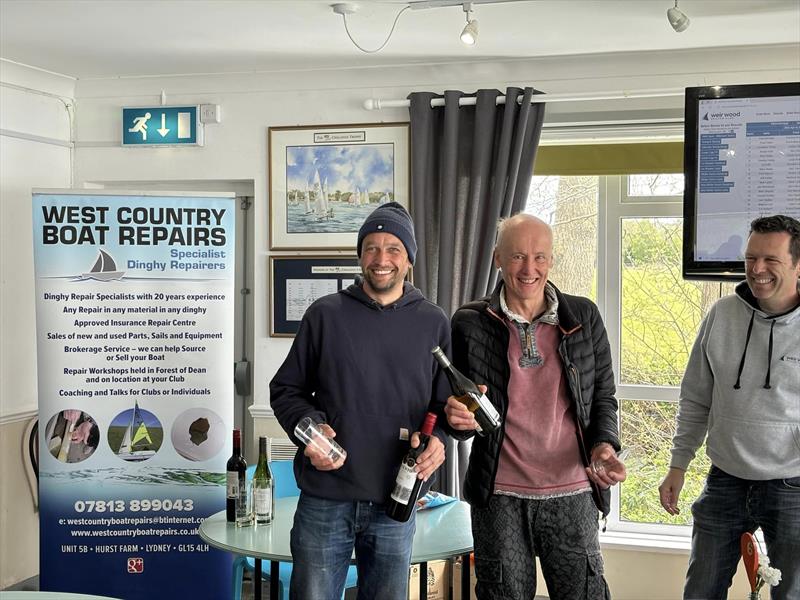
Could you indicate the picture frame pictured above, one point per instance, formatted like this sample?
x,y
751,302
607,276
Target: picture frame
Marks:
x,y
297,281
325,179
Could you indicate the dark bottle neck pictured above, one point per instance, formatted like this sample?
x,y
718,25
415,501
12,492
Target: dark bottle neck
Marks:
x,y
237,443
442,358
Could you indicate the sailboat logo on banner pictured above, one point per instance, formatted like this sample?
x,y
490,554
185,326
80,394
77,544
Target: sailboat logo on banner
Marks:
x,y
103,269
141,434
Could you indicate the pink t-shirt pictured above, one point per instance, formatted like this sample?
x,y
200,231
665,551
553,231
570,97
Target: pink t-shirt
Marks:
x,y
540,456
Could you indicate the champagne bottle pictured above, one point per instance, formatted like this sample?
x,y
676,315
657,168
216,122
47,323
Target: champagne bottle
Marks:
x,y
263,484
468,393
235,471
407,485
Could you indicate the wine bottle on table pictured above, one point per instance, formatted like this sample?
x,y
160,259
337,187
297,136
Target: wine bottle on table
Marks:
x,y
263,484
236,472
407,485
465,390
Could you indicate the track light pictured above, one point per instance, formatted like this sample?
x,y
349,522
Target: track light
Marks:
x,y
677,18
469,35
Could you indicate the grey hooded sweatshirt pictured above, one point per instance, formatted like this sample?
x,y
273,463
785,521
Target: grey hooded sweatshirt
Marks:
x,y
742,387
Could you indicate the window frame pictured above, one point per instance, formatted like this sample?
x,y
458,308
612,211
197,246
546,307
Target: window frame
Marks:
x,y
615,205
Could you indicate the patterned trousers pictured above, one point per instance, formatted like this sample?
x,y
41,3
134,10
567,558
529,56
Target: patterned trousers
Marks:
x,y
563,532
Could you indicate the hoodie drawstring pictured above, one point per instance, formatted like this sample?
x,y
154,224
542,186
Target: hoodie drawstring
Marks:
x,y
767,386
738,385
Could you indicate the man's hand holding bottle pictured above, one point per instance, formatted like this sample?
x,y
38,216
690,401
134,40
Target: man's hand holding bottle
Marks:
x,y
431,458
486,419
459,417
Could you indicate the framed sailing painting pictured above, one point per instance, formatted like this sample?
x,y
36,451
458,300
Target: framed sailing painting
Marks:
x,y
325,179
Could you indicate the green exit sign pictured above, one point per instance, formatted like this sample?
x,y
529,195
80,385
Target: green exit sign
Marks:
x,y
162,126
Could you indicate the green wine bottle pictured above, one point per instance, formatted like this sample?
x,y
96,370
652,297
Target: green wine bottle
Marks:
x,y
263,484
469,395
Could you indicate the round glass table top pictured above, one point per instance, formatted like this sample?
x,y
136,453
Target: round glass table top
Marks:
x,y
441,532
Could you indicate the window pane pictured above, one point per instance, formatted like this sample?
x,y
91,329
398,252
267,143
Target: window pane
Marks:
x,y
661,312
647,430
670,184
569,206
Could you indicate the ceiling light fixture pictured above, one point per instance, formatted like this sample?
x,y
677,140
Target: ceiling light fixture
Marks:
x,y
469,35
677,18
346,8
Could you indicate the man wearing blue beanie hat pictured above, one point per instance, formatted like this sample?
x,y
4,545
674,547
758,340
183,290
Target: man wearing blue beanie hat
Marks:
x,y
390,218
361,363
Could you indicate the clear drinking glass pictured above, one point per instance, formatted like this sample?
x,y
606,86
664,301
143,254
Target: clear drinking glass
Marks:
x,y
310,433
244,505
599,466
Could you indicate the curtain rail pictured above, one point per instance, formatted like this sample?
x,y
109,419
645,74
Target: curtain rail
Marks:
x,y
378,104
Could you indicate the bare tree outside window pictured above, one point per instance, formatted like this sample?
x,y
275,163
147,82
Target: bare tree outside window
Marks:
x,y
658,185
569,206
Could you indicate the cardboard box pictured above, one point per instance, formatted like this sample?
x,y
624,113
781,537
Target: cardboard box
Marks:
x,y
438,581
456,568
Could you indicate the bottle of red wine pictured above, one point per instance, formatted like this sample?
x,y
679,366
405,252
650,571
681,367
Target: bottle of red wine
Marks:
x,y
407,485
468,394
235,469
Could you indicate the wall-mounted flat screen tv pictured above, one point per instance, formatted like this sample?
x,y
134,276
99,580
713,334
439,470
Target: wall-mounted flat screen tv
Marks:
x,y
741,161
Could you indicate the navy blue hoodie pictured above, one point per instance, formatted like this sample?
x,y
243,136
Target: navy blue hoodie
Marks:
x,y
366,370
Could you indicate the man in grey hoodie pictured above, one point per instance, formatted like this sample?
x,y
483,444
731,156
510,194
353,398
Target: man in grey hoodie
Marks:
x,y
742,389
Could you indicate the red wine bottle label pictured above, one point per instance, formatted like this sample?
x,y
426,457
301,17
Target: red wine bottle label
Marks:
x,y
232,480
404,484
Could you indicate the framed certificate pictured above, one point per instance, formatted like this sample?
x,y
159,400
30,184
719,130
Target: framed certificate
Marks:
x,y
297,281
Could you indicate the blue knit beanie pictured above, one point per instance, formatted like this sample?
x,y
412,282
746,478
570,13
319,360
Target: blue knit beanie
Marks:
x,y
390,218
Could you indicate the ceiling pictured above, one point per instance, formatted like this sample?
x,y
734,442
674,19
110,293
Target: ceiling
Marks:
x,y
97,39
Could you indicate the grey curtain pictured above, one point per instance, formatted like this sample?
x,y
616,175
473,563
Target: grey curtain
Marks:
x,y
470,166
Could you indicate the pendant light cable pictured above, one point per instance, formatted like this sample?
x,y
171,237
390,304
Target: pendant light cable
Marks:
x,y
386,41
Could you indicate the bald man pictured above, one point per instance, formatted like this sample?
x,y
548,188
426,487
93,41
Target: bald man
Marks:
x,y
536,484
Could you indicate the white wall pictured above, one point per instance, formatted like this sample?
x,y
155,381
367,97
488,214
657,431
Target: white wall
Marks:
x,y
236,150
29,110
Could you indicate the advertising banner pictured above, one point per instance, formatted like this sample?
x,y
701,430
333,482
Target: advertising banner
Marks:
x,y
134,314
